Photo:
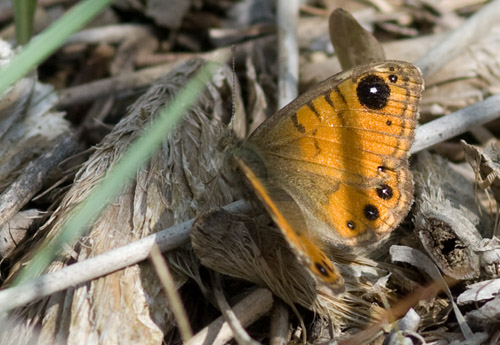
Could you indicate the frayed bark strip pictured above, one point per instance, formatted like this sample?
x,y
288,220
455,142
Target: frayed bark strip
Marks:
x,y
34,177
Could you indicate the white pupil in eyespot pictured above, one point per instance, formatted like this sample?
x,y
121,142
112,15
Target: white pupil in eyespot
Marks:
x,y
373,89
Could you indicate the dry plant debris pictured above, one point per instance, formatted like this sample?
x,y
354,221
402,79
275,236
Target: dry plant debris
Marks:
x,y
434,281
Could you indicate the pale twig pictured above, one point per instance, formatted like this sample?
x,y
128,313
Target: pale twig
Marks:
x,y
92,268
471,31
129,81
459,122
108,86
239,333
173,297
109,34
279,324
101,265
288,52
248,310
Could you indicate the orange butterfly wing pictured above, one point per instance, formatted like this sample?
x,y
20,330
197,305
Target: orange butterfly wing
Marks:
x,y
340,151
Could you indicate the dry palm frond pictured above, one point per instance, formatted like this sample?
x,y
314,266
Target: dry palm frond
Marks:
x,y
176,184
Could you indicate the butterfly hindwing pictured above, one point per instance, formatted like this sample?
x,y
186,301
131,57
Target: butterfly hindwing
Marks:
x,y
287,215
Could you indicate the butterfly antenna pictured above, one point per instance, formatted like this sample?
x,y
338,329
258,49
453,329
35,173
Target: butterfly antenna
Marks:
x,y
212,182
233,92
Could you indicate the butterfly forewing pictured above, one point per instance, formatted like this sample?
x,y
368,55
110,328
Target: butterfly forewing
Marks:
x,y
340,150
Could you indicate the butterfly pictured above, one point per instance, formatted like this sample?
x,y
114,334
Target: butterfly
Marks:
x,y
332,168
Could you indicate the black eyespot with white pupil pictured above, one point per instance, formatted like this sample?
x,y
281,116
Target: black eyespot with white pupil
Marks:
x,y
371,212
321,269
385,192
351,225
373,92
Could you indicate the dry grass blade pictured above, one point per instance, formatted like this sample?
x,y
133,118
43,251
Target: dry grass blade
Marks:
x,y
479,292
407,325
396,312
173,297
241,336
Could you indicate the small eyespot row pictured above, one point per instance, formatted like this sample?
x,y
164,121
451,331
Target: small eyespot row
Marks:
x,y
321,269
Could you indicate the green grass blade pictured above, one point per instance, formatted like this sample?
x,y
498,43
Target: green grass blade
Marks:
x,y
48,41
121,173
24,11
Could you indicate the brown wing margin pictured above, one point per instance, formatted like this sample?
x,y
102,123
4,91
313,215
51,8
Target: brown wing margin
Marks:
x,y
287,215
